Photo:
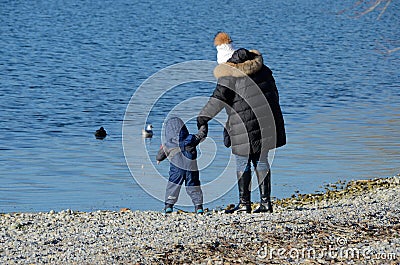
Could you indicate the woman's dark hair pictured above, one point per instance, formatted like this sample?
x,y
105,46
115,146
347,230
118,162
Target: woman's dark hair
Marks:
x,y
241,55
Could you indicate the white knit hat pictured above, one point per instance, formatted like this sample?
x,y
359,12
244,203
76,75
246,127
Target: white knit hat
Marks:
x,y
224,52
223,43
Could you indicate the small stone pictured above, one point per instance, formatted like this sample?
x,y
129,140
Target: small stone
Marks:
x,y
124,210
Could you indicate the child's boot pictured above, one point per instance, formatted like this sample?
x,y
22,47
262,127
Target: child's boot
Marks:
x,y
168,208
199,209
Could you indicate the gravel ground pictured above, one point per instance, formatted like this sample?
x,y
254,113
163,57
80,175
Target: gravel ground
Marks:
x,y
359,228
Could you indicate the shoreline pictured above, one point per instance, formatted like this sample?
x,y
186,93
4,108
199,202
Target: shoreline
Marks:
x,y
354,224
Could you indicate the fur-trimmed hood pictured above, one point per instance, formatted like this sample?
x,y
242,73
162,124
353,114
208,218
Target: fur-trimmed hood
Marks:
x,y
240,69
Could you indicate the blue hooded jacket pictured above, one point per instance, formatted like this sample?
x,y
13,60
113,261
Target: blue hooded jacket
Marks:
x,y
179,145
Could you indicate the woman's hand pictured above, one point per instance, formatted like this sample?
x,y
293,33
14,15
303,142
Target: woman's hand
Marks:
x,y
202,133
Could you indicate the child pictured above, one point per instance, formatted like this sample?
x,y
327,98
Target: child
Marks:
x,y
180,148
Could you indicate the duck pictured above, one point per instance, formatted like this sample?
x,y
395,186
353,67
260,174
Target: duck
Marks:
x,y
148,132
100,133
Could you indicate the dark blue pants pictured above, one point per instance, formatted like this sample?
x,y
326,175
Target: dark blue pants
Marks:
x,y
192,182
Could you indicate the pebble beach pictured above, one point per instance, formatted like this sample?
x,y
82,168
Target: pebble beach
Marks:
x,y
356,224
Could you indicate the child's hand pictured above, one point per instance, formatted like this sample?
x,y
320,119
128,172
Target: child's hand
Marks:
x,y
160,155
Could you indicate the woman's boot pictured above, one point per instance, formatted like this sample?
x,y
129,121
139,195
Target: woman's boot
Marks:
x,y
264,184
244,179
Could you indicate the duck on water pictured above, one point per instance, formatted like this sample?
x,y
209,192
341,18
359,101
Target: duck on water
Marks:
x,y
148,132
100,133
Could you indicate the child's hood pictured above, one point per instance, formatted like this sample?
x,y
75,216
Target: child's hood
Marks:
x,y
175,132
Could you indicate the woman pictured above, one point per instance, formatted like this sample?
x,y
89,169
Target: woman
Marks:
x,y
247,90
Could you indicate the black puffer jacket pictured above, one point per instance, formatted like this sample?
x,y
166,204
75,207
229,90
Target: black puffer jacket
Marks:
x,y
247,90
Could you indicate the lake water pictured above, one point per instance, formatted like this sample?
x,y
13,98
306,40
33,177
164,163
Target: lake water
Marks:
x,y
69,67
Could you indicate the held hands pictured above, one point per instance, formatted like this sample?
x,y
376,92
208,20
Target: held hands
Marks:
x,y
202,133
